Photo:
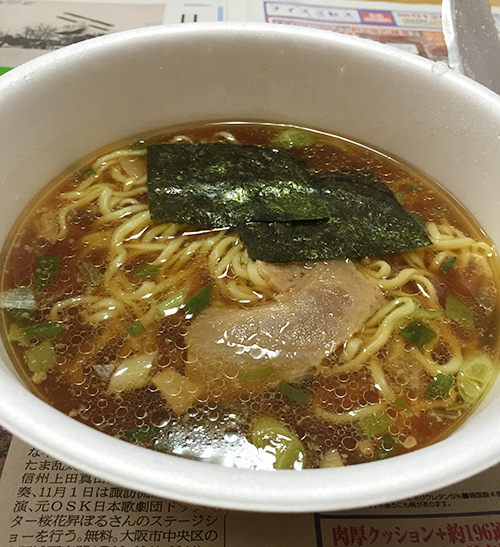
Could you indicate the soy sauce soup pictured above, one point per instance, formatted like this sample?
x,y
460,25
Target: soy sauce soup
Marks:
x,y
170,336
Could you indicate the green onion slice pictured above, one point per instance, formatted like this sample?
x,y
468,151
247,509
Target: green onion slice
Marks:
x,y
41,358
17,334
376,425
199,301
414,188
422,313
439,387
417,334
473,377
401,403
294,393
91,275
277,439
148,270
143,433
257,374
455,309
47,269
447,265
293,137
172,304
387,448
135,328
50,330
139,145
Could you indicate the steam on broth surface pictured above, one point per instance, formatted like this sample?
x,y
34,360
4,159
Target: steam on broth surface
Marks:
x,y
170,336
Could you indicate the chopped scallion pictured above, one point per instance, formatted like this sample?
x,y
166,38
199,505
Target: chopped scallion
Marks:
x,y
439,387
400,197
474,377
139,145
293,137
41,358
143,433
17,334
417,334
455,309
89,173
148,270
294,393
135,328
47,269
387,448
172,304
277,439
91,275
401,403
376,425
414,188
257,374
199,301
447,265
422,313
50,330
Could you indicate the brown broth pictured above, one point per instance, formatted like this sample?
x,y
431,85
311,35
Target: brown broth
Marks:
x,y
210,429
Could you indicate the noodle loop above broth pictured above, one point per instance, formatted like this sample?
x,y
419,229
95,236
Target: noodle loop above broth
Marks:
x,y
171,336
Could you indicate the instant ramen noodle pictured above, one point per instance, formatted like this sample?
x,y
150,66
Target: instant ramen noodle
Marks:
x,y
242,332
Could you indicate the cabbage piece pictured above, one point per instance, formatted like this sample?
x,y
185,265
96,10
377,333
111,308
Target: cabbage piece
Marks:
x,y
179,391
131,373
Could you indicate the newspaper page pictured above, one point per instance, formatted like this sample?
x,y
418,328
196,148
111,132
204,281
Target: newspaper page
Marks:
x,y
46,503
29,28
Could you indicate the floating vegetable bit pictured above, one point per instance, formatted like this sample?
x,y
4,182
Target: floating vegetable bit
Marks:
x,y
41,358
50,330
132,373
474,377
148,270
47,270
455,309
90,274
294,393
376,425
283,212
20,302
447,265
277,439
388,447
417,334
172,304
135,328
143,433
199,301
439,387
294,137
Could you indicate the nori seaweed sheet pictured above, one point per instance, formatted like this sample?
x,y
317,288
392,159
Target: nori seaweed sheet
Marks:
x,y
365,219
283,212
219,185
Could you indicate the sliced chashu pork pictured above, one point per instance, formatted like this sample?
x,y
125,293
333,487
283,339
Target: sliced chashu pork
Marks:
x,y
318,307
